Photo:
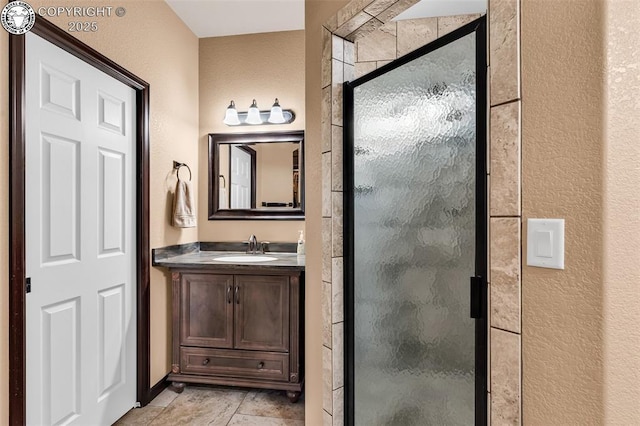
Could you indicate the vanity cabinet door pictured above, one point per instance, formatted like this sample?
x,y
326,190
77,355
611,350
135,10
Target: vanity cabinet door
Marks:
x,y
206,317
262,313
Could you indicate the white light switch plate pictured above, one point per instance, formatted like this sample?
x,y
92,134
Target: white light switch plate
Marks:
x,y
545,243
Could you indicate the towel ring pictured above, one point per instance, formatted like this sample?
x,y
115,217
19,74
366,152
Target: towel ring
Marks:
x,y
177,166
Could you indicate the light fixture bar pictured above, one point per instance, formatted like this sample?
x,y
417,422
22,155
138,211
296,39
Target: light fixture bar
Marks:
x,y
289,117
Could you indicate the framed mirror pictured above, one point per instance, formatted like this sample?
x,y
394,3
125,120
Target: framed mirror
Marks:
x,y
256,175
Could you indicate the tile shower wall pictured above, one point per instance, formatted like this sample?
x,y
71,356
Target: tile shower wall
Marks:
x,y
359,39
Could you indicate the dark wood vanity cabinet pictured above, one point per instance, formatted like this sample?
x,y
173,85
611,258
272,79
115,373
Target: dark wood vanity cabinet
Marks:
x,y
239,329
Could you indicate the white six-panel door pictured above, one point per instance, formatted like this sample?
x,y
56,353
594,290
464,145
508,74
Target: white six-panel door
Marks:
x,y
80,247
240,178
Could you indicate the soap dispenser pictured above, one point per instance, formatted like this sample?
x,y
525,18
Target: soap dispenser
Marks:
x,y
300,249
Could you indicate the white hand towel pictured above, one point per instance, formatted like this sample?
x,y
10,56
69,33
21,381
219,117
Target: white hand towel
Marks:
x,y
222,201
184,205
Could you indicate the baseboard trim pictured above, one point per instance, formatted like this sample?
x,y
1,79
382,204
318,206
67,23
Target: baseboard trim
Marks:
x,y
157,388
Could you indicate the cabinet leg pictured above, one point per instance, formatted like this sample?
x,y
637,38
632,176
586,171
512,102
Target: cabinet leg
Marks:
x,y
293,396
177,387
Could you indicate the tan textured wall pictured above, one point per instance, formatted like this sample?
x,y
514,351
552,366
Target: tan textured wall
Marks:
x,y
316,13
254,66
562,176
153,43
621,298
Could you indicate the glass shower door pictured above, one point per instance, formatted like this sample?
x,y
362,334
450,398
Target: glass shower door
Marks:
x,y
415,233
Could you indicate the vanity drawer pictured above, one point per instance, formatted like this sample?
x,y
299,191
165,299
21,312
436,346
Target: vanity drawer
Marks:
x,y
235,363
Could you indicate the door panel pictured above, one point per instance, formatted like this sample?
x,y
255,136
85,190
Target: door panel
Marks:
x,y
112,332
415,218
80,239
60,199
262,313
112,202
61,361
207,315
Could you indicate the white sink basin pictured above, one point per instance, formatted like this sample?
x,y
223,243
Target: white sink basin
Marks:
x,y
243,259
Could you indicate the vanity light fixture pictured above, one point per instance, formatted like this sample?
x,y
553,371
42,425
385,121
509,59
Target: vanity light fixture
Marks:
x,y
253,116
231,116
276,115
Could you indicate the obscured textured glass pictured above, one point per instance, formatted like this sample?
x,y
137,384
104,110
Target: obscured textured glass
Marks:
x,y
414,139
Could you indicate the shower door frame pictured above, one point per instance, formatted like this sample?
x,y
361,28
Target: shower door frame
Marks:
x,y
478,284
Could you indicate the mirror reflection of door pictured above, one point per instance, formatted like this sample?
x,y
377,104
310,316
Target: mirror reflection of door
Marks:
x,y
242,177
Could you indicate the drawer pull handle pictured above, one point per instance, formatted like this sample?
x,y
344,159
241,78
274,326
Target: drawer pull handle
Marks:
x,y
229,294
206,361
260,365
237,297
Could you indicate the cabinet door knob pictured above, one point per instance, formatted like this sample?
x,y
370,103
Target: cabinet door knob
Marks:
x,y
260,365
206,361
229,294
237,298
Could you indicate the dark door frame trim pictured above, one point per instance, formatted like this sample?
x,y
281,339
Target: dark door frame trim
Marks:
x,y
479,284
17,123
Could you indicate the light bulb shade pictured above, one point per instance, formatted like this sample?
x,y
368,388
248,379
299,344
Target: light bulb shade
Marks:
x,y
253,116
231,116
276,116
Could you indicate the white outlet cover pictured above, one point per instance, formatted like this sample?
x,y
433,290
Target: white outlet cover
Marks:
x,y
545,243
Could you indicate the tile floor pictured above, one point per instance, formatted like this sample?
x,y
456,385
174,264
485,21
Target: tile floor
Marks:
x,y
218,406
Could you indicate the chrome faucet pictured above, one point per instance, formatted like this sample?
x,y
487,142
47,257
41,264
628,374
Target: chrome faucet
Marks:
x,y
252,248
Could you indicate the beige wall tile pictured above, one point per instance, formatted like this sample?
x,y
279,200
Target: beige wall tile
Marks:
x,y
379,6
414,33
505,378
337,224
326,184
379,45
382,63
326,314
349,72
337,78
505,160
363,31
349,52
327,386
363,68
337,49
446,24
326,58
338,407
338,355
504,50
326,249
353,24
505,273
351,11
327,420
336,158
331,24
337,286
325,120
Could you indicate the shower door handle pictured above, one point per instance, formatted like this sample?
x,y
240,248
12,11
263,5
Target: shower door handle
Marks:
x,y
476,297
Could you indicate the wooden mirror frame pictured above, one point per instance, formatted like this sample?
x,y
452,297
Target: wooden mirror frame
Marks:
x,y
215,139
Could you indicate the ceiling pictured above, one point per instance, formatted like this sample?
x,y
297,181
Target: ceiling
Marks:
x,y
215,18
